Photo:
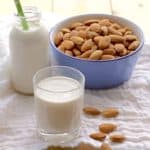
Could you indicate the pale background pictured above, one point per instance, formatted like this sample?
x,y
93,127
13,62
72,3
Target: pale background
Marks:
x,y
136,10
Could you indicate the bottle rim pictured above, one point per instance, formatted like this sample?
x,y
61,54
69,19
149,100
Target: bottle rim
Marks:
x,y
31,13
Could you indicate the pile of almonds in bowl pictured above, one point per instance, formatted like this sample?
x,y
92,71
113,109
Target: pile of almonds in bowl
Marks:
x,y
96,39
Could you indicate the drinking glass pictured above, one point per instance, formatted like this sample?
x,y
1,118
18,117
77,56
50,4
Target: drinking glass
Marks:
x,y
59,97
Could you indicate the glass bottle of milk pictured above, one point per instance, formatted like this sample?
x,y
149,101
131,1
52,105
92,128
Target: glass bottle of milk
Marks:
x,y
28,50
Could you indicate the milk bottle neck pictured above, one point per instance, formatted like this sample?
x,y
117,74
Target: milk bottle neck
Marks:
x,y
32,15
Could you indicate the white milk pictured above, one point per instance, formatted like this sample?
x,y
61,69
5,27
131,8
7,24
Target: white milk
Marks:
x,y
29,52
57,110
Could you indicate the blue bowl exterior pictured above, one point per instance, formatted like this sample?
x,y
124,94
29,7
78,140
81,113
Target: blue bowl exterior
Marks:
x,y
100,74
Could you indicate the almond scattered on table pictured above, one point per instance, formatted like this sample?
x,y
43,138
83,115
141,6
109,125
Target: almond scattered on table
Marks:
x,y
99,136
105,146
118,138
91,111
107,127
110,112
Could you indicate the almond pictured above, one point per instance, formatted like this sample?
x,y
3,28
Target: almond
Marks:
x,y
116,38
126,43
98,136
94,47
104,22
114,31
128,32
77,40
95,27
104,42
66,36
105,146
74,33
134,45
110,112
124,52
130,37
97,39
87,45
104,30
96,55
116,26
82,34
76,52
109,51
91,111
61,47
69,53
65,30
75,24
107,127
119,47
58,38
118,138
86,54
81,28
90,21
107,57
67,44
91,34
111,46
122,30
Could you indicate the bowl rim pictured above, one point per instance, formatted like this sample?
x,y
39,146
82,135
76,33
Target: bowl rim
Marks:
x,y
101,15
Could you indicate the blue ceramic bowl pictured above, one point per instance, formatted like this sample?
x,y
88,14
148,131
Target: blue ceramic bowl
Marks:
x,y
99,74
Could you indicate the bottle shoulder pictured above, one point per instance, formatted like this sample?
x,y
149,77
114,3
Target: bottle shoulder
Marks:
x,y
33,31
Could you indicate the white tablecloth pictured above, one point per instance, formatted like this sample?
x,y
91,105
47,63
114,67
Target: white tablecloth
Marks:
x,y
17,125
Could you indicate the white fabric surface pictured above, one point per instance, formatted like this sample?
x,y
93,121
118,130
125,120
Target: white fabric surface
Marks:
x,y
17,125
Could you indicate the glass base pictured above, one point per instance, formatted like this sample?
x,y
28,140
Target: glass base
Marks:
x,y
58,138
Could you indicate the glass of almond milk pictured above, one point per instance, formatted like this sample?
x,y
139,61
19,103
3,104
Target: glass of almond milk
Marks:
x,y
59,94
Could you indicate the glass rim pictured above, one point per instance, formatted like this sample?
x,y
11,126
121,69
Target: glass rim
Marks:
x,y
62,67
